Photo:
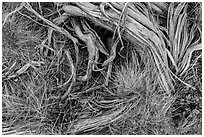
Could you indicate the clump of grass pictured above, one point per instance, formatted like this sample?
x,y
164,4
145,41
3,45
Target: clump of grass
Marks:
x,y
157,112
129,77
31,103
150,114
24,96
23,105
42,95
186,109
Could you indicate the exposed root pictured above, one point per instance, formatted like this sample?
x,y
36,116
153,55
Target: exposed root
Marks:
x,y
119,32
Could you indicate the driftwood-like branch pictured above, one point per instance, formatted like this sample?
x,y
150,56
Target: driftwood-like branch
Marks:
x,y
138,29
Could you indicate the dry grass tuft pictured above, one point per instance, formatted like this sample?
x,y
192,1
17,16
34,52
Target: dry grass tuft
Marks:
x,y
42,62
